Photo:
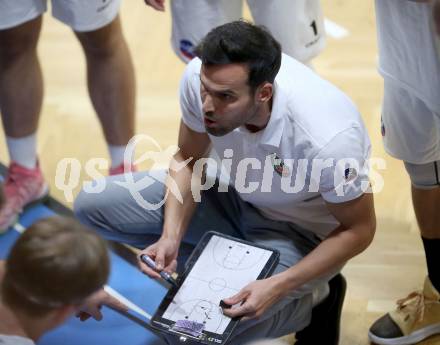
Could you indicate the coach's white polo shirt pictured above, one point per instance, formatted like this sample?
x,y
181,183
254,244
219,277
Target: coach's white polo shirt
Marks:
x,y
277,168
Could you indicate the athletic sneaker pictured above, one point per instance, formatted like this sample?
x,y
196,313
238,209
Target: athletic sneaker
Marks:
x,y
22,187
416,317
326,317
118,170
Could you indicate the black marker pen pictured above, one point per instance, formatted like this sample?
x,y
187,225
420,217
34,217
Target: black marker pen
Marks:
x,y
165,275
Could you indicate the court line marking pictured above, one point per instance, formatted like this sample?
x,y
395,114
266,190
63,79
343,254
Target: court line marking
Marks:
x,y
335,30
127,302
19,228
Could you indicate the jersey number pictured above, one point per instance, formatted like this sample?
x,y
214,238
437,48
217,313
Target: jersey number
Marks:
x,y
315,29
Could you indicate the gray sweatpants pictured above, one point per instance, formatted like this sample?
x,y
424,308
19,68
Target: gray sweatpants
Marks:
x,y
121,215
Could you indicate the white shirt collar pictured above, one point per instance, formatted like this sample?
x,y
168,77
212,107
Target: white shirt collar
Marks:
x,y
273,132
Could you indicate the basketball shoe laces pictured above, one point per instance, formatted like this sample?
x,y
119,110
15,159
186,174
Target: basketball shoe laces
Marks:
x,y
420,301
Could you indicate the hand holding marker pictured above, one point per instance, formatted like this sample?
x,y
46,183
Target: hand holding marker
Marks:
x,y
165,275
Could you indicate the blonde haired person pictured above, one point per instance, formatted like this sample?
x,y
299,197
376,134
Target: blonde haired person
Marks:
x,y
57,268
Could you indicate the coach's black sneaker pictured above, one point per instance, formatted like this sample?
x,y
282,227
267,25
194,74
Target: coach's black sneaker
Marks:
x,y
326,317
416,317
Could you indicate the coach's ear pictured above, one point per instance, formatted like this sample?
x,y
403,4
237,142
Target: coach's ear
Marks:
x,y
264,92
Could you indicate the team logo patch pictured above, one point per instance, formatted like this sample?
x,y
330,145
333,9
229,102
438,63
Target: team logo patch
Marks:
x,y
279,166
350,174
187,49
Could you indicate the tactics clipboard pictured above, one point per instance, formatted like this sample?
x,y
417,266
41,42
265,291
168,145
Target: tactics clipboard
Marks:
x,y
218,268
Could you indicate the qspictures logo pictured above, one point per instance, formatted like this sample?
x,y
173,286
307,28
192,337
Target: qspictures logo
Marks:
x,y
273,174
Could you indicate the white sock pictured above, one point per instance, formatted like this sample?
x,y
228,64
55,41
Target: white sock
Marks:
x,y
23,150
116,154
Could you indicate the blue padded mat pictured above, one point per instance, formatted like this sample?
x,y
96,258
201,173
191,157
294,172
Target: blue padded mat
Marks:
x,y
114,329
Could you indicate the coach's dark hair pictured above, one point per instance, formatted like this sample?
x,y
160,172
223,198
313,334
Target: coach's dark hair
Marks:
x,y
242,42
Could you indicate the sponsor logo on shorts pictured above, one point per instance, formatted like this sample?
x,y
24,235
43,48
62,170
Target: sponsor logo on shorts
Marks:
x,y
187,49
350,174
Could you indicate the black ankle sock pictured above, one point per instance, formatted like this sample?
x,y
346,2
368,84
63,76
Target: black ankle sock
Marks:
x,y
432,253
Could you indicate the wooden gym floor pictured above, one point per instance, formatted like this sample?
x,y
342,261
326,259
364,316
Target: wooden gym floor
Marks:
x,y
394,264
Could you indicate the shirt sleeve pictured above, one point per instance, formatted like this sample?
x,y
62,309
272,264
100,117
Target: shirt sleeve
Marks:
x,y
190,102
345,173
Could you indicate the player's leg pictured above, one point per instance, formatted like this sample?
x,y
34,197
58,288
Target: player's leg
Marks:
x,y
193,20
110,74
111,84
408,323
411,131
21,95
426,200
297,24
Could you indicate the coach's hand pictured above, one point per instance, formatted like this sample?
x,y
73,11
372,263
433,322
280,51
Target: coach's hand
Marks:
x,y
254,299
158,5
164,253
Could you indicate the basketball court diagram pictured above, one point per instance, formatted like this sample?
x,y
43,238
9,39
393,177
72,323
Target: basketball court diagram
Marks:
x,y
222,269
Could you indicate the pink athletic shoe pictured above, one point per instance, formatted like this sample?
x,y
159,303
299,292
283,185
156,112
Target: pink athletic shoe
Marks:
x,y
118,170
22,187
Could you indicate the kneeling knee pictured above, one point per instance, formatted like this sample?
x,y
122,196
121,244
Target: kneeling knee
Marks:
x,y
84,207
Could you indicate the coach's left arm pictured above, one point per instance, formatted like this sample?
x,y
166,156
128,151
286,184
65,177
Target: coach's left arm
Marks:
x,y
355,233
